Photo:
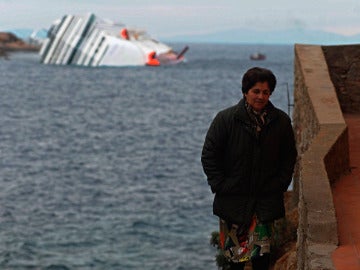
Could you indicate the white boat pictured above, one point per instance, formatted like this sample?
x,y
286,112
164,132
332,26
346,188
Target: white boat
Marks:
x,y
87,40
257,56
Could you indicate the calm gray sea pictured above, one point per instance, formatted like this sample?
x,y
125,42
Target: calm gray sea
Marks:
x,y
100,167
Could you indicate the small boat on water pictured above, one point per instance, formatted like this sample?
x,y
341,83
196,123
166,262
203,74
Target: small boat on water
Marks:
x,y
257,56
88,40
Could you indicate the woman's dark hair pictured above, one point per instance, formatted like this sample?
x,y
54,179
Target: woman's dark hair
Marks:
x,y
255,75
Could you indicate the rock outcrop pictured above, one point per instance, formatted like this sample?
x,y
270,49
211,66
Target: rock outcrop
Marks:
x,y
284,252
11,43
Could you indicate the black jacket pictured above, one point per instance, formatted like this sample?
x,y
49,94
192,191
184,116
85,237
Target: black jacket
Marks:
x,y
249,173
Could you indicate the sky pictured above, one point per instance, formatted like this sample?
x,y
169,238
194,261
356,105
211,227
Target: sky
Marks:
x,y
168,18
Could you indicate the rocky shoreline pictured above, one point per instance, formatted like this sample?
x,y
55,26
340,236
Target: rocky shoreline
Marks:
x,y
9,42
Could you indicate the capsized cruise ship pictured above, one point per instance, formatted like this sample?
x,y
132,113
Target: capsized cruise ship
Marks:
x,y
88,40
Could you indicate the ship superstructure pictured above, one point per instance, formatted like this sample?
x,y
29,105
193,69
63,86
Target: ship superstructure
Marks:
x,y
87,40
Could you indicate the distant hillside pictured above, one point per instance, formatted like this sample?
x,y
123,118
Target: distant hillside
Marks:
x,y
242,35
289,36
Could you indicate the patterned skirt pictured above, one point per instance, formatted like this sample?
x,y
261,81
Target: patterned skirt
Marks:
x,y
244,243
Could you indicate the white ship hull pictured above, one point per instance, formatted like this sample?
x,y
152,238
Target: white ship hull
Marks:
x,y
90,41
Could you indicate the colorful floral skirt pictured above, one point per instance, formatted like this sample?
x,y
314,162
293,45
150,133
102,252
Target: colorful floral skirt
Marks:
x,y
241,244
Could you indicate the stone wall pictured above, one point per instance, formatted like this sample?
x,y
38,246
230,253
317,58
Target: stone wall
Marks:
x,y
322,140
344,64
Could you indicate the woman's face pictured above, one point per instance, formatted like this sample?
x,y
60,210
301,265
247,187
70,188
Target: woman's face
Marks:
x,y
258,96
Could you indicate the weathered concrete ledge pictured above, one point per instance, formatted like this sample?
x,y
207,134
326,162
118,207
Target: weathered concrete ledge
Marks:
x,y
322,139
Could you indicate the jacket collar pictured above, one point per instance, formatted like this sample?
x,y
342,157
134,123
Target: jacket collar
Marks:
x,y
242,115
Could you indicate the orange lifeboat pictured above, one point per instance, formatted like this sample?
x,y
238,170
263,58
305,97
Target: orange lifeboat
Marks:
x,y
152,61
124,34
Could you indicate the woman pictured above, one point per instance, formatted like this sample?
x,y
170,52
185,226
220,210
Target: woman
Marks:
x,y
248,157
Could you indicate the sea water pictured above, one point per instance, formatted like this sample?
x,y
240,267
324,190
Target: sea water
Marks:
x,y
100,167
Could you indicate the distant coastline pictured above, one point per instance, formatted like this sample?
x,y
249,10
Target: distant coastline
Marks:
x,y
9,42
279,37
240,35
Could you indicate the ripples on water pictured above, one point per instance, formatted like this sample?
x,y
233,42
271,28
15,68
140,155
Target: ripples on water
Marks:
x,y
100,167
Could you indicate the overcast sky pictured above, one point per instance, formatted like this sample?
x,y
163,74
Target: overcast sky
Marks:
x,y
166,18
